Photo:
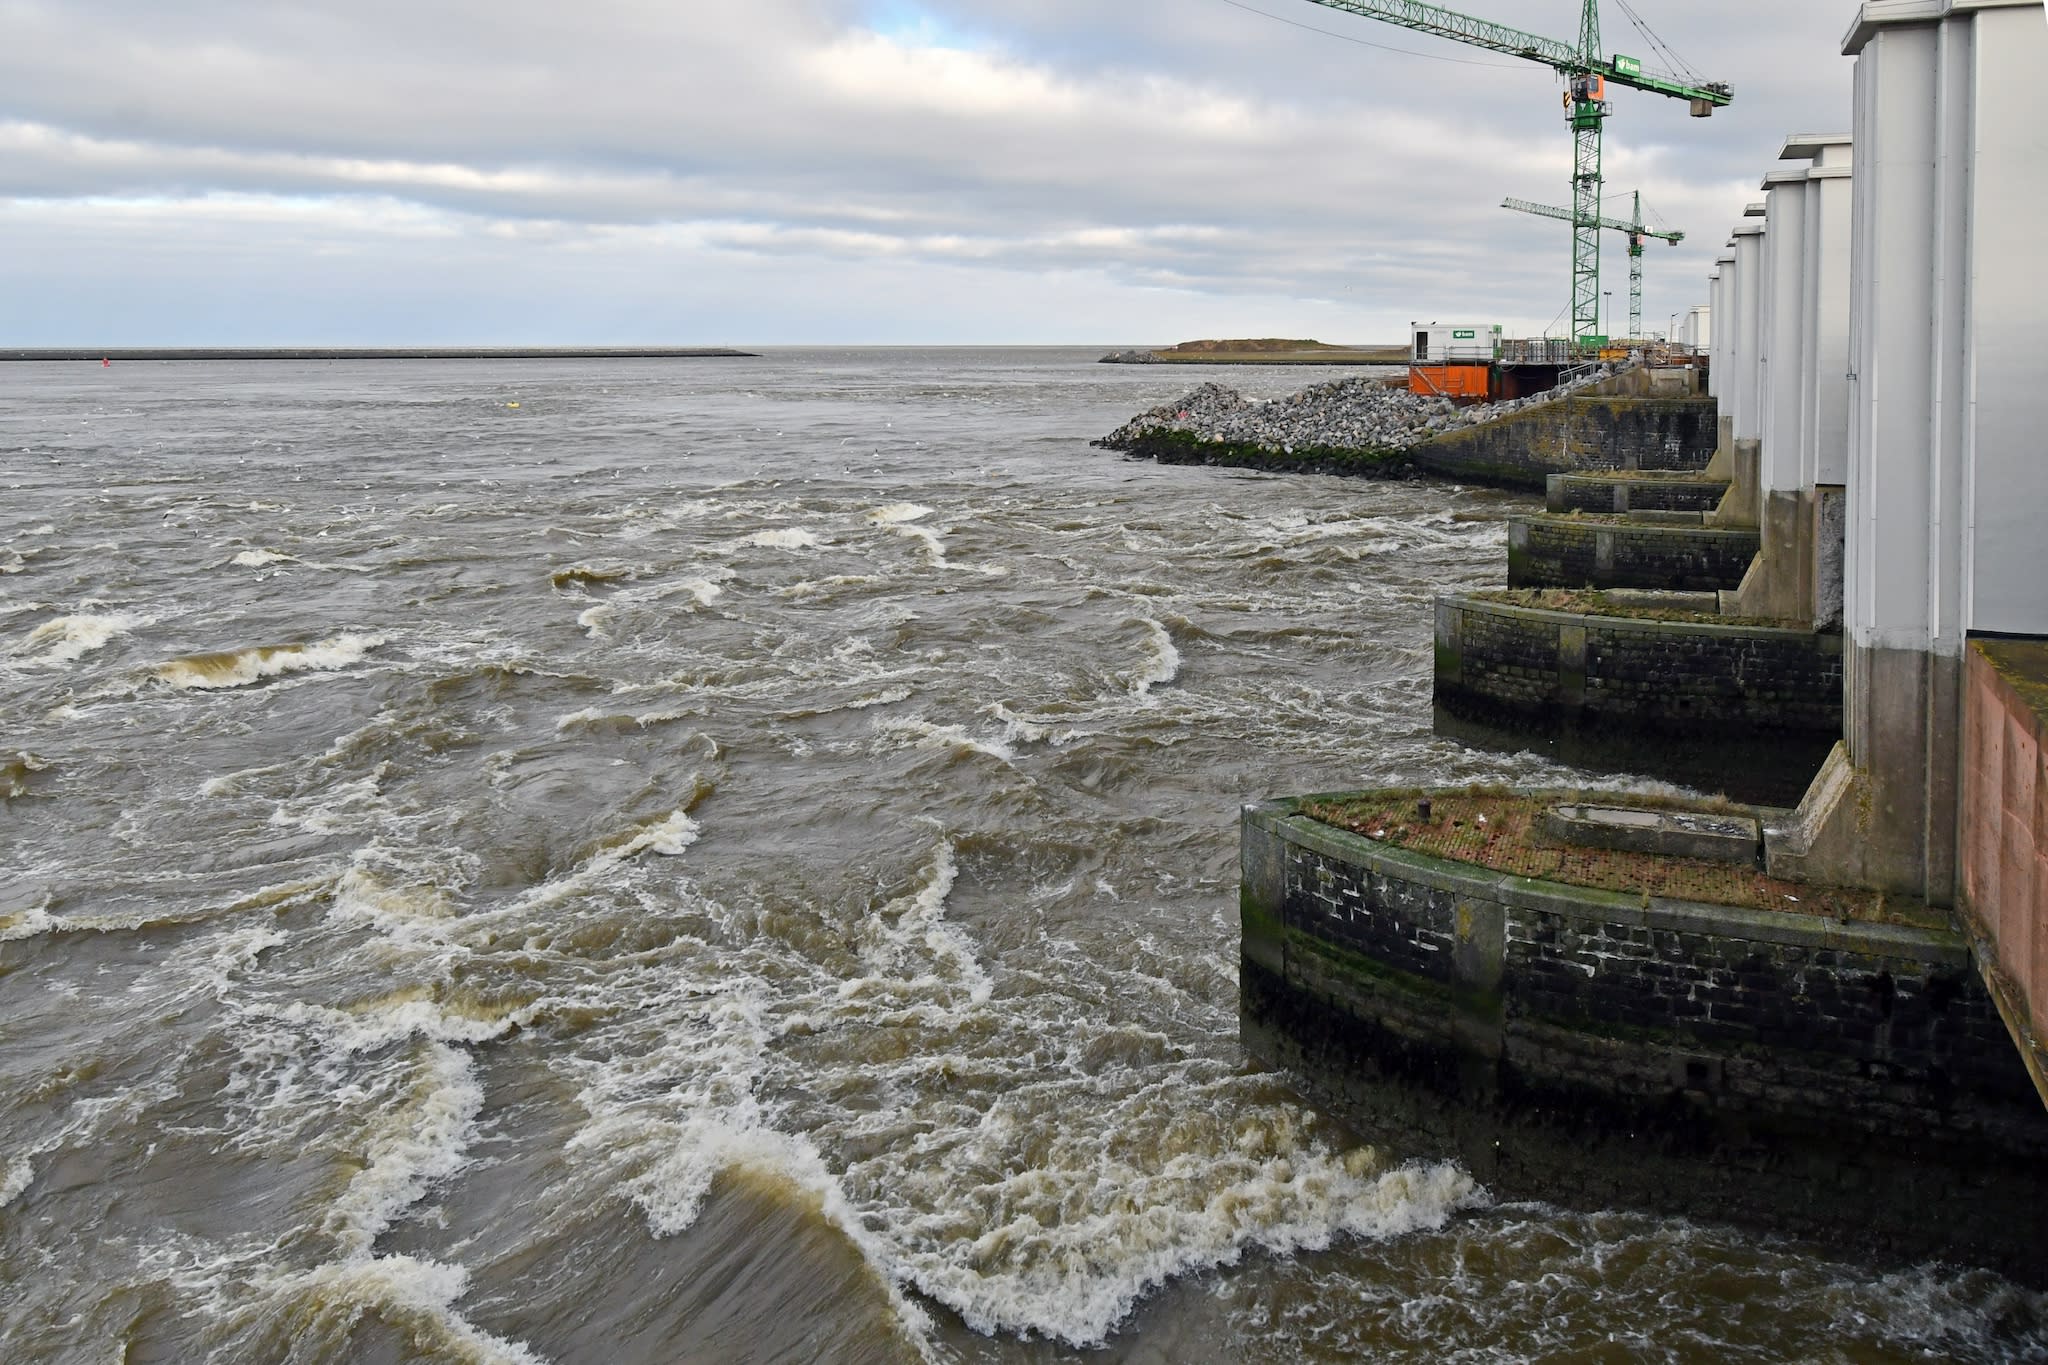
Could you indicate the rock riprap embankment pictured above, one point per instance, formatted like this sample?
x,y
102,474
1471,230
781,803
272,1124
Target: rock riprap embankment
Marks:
x,y
1359,419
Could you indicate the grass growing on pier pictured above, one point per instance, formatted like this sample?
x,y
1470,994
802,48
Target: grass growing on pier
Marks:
x,y
1502,831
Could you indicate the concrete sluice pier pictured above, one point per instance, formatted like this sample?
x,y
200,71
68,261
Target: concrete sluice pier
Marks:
x,y
1642,549
1744,709
1637,491
1846,1081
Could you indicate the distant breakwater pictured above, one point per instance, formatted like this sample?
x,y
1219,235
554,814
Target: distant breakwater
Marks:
x,y
376,353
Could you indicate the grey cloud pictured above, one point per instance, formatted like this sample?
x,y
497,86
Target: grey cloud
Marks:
x,y
1294,165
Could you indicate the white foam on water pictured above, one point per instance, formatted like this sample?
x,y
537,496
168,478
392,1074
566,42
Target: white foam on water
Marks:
x,y
897,517
888,696
789,538
239,668
1935,1309
922,734
687,1156
20,1172
593,620
593,717
668,837
256,559
890,941
426,1140
669,1114
1077,1275
259,1311
896,513
15,770
1016,729
339,808
702,591
68,638
933,542
408,1290
37,919
420,911
235,949
28,921
1161,661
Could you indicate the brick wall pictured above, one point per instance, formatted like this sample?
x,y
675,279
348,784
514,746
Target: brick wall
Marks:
x,y
2004,810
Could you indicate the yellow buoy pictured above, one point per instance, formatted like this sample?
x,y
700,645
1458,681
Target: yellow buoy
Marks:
x,y
511,405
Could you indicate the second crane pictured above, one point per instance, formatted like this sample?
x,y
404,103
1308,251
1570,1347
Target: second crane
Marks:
x,y
1637,231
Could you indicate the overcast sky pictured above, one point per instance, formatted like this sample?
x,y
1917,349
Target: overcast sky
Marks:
x,y
250,172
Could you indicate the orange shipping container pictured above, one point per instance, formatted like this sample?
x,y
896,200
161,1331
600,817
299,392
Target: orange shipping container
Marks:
x,y
1450,381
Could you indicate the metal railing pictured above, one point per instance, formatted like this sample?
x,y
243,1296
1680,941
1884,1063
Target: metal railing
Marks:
x,y
1539,351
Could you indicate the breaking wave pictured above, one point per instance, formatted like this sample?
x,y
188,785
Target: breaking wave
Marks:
x,y
897,512
1073,1270
586,576
15,771
424,1139
923,734
69,638
240,667
785,539
1161,661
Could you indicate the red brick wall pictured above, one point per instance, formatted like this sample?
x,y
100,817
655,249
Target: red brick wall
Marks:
x,y
2005,810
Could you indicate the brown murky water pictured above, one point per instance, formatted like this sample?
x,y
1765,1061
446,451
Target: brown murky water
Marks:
x,y
733,862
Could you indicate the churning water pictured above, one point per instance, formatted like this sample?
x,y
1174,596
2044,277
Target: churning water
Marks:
x,y
733,861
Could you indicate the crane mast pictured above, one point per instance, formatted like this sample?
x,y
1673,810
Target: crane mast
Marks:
x,y
1637,231
1587,71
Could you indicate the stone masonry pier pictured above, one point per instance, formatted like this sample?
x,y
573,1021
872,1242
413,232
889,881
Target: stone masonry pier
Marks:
x,y
1656,550
1845,1080
1640,491
1742,708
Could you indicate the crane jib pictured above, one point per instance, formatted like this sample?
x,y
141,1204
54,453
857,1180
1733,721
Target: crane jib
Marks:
x,y
1569,58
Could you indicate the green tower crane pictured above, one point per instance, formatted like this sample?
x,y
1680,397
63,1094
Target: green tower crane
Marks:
x,y
1586,70
1636,229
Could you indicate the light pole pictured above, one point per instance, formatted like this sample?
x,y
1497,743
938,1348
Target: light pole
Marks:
x,y
1607,295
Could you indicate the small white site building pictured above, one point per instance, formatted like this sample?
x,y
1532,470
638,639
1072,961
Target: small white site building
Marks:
x,y
1443,343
